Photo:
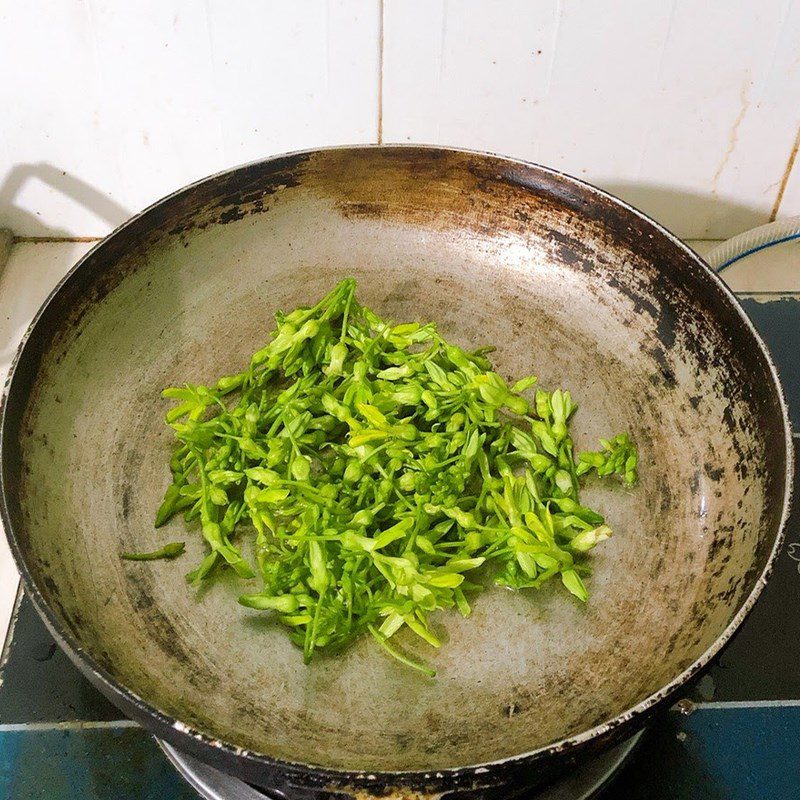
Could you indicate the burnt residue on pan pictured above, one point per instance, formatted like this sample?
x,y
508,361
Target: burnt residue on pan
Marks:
x,y
567,282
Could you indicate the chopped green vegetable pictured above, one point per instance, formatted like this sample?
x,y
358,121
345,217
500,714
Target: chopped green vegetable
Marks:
x,y
618,457
171,550
375,467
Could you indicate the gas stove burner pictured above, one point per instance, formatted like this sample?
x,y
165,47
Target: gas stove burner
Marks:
x,y
211,784
584,783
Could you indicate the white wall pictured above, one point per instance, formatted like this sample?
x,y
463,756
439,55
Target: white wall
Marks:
x,y
108,105
688,109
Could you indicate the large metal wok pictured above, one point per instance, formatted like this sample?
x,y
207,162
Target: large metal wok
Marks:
x,y
569,283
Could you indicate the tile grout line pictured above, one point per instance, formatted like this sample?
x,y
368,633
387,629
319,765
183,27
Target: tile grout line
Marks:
x,y
13,727
54,239
734,704
381,23
758,292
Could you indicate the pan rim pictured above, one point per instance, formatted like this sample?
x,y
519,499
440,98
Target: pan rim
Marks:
x,y
445,776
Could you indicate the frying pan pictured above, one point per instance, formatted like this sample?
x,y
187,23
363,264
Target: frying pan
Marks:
x,y
569,283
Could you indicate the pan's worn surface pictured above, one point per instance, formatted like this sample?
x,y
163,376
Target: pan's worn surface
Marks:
x,y
570,284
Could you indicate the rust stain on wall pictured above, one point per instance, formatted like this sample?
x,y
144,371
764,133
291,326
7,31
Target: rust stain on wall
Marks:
x,y
733,135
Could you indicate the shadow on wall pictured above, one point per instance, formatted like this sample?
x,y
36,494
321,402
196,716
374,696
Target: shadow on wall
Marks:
x,y
689,215
100,204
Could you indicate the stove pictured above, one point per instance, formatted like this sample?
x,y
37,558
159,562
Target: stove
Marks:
x,y
582,784
734,736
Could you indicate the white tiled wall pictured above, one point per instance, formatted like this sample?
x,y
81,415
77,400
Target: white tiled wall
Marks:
x,y
107,106
688,109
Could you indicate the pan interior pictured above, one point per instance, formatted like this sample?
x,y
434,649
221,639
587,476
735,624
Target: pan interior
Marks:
x,y
566,283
